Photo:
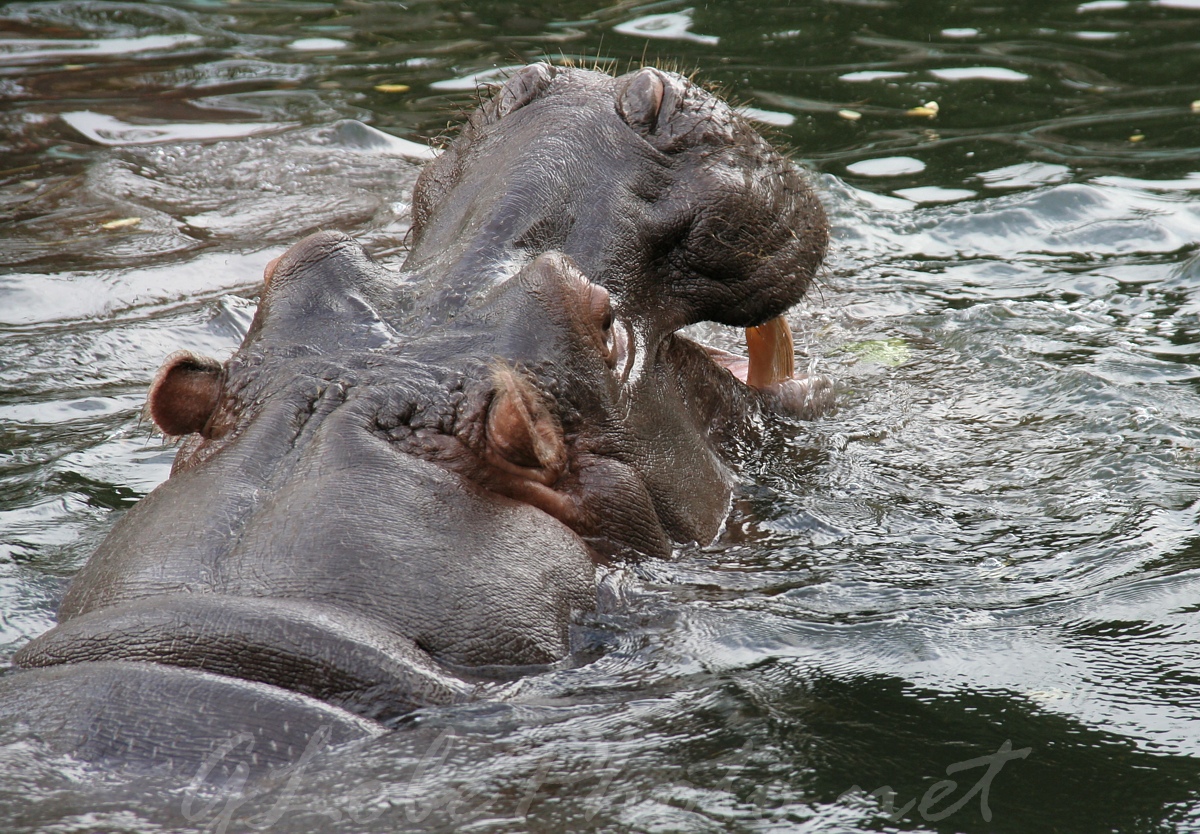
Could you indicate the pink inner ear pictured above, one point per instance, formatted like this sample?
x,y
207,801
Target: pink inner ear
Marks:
x,y
184,393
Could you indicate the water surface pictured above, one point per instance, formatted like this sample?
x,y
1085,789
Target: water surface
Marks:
x,y
990,547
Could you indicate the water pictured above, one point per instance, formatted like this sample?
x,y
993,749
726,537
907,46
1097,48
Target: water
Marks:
x,y
993,541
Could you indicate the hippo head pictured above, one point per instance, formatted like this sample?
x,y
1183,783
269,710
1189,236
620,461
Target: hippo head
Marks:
x,y
539,393
656,188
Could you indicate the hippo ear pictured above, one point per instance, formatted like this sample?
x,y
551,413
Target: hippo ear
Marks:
x,y
184,393
640,99
670,112
522,436
526,84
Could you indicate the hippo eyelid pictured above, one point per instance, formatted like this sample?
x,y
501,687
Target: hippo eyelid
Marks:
x,y
609,340
602,318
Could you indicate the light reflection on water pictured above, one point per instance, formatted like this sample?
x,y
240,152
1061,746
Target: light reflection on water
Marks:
x,y
994,538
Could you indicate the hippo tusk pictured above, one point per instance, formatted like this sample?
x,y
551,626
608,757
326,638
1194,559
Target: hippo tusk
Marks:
x,y
771,353
770,369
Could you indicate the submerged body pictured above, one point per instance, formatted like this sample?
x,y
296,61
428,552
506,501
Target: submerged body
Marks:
x,y
401,484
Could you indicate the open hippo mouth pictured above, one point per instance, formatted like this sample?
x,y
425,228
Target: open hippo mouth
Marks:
x,y
400,476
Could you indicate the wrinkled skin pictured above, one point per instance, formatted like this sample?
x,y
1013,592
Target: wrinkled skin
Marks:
x,y
401,484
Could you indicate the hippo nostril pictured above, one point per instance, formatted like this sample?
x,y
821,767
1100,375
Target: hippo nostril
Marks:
x,y
671,113
529,83
640,98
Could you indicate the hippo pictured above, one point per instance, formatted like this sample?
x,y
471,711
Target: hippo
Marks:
x,y
400,488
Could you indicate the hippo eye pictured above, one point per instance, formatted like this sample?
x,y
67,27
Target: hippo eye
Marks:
x,y
529,83
609,337
602,317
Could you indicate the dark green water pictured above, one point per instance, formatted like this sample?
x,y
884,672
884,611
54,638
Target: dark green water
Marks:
x,y
991,547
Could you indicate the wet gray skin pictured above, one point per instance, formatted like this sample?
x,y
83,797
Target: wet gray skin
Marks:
x,y
402,483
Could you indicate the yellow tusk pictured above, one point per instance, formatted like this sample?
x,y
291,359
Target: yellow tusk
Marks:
x,y
771,352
